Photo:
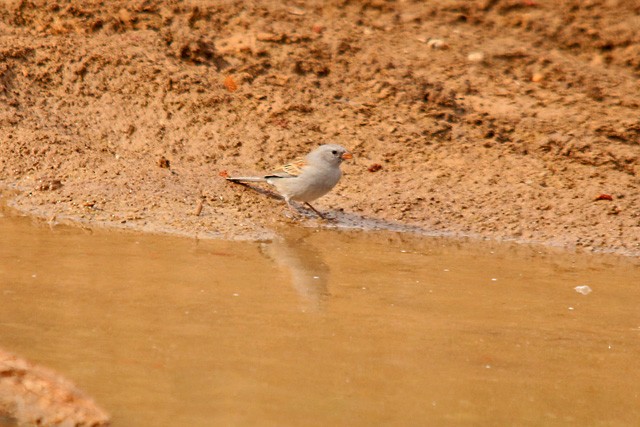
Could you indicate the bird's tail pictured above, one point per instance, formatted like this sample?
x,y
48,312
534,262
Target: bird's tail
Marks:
x,y
246,179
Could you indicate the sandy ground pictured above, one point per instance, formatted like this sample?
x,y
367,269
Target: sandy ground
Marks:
x,y
506,119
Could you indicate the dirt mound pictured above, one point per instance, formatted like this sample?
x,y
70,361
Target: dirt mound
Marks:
x,y
504,119
33,395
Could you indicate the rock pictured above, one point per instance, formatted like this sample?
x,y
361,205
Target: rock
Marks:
x,y
33,395
476,56
437,44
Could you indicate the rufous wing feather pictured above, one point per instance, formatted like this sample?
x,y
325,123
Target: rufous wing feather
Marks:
x,y
293,168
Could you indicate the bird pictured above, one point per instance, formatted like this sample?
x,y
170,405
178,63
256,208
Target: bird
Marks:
x,y
305,179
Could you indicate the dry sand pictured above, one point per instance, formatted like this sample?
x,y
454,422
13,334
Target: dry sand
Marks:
x,y
501,119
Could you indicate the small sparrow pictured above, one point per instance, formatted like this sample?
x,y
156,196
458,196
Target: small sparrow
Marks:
x,y
306,179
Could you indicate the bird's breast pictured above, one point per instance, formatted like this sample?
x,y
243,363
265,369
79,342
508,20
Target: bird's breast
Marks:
x,y
309,185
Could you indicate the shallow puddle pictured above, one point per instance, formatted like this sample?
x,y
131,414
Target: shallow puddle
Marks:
x,y
324,328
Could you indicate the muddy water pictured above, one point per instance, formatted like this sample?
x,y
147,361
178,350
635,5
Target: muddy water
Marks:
x,y
324,328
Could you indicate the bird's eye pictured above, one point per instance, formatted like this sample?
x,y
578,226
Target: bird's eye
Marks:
x,y
334,152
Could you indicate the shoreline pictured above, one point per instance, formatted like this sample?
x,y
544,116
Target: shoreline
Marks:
x,y
337,224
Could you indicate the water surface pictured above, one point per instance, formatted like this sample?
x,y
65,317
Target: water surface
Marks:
x,y
324,328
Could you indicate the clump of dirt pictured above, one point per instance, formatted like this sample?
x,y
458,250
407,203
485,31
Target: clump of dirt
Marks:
x,y
502,118
33,395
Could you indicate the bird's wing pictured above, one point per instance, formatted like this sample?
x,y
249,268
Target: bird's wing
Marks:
x,y
288,170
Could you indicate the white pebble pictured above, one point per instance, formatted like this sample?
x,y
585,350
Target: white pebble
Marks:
x,y
437,44
584,289
476,57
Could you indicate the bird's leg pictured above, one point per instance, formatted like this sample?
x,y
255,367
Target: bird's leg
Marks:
x,y
292,208
314,209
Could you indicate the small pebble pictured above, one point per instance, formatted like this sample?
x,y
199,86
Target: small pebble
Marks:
x,y
537,77
476,57
437,44
584,290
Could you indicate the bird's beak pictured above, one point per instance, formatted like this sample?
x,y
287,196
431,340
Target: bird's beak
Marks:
x,y
347,156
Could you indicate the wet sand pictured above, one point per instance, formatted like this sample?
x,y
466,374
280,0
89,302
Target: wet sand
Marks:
x,y
320,327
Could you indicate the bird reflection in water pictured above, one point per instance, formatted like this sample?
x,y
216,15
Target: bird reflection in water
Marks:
x,y
293,252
